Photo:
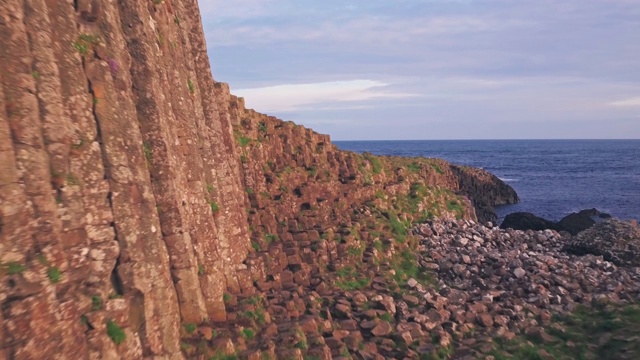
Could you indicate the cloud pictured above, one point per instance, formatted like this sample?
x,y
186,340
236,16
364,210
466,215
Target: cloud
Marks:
x,y
357,30
473,66
324,95
626,103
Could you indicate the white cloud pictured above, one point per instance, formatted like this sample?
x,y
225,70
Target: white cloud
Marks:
x,y
369,29
289,97
627,102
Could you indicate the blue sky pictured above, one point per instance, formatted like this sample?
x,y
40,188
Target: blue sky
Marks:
x,y
447,69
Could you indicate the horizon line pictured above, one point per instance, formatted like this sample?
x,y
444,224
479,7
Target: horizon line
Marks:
x,y
518,139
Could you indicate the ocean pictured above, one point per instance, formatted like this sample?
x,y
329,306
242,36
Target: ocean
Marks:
x,y
552,177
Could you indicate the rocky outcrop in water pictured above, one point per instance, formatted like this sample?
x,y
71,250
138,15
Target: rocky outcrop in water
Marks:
x,y
526,221
572,223
580,221
485,191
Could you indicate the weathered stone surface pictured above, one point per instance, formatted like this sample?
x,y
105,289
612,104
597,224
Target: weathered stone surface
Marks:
x,y
102,107
617,241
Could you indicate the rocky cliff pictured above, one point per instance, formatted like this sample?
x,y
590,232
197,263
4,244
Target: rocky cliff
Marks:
x,y
139,199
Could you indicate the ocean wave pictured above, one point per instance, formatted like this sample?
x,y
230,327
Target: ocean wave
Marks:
x,y
508,179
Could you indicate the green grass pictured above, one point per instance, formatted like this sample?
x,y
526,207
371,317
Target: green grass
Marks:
x,y
189,328
350,279
96,303
84,42
256,316
608,333
414,168
262,127
191,86
355,251
72,180
214,206
226,297
437,169
406,266
241,139
200,270
54,274
269,238
376,164
398,228
454,205
116,334
255,246
13,268
248,334
148,152
221,356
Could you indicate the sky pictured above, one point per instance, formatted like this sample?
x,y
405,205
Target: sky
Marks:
x,y
434,69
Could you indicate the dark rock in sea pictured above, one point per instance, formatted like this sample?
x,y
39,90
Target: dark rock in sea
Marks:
x,y
572,223
617,241
580,221
526,221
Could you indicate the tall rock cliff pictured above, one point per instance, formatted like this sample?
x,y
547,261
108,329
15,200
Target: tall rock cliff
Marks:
x,y
120,194
137,196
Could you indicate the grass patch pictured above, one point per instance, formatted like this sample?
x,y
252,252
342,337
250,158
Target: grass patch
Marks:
x,y
414,167
214,206
437,169
406,266
226,297
269,238
116,333
262,127
85,42
148,152
13,268
586,334
96,303
241,139
350,279
191,86
248,334
189,328
255,246
54,274
376,164
398,228
221,356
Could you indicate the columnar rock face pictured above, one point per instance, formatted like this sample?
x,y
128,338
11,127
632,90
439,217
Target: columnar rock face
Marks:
x,y
121,209
136,194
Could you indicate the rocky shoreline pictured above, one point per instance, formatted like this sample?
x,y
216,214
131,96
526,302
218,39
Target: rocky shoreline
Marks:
x,y
477,285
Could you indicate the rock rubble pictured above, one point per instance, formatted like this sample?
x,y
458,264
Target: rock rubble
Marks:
x,y
487,283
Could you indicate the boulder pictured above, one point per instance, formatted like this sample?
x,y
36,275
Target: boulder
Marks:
x,y
580,221
526,221
617,241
